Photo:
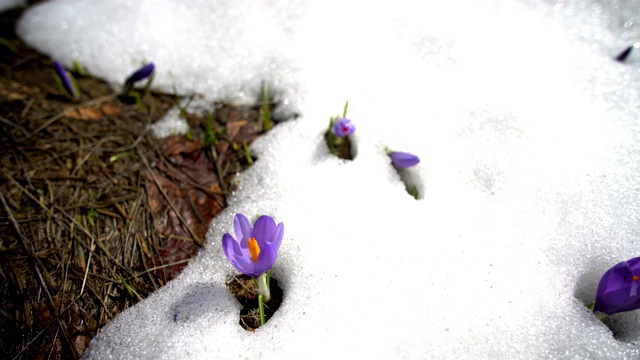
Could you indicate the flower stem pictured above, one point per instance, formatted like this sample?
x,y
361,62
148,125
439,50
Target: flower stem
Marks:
x,y
261,307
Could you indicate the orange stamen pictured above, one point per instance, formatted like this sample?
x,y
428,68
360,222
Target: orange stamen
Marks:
x,y
636,277
254,249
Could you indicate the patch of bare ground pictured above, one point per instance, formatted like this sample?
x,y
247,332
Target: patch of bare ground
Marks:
x,y
95,213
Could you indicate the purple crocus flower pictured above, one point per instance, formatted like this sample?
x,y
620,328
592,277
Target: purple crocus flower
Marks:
x,y
65,79
403,159
140,74
343,127
255,248
619,288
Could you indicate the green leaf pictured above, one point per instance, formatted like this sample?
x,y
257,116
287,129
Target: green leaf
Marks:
x,y
92,215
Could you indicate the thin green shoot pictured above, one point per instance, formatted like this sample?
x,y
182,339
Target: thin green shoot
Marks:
x,y
147,86
189,135
74,83
136,95
8,45
414,192
346,106
265,110
92,216
332,137
119,156
210,135
77,67
183,108
247,154
131,291
269,279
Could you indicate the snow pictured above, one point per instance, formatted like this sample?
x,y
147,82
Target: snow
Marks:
x,y
10,4
529,138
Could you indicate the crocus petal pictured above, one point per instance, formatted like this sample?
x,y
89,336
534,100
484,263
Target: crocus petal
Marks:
x,y
237,256
243,229
230,246
618,289
268,256
277,236
343,127
244,264
403,159
268,238
634,265
263,230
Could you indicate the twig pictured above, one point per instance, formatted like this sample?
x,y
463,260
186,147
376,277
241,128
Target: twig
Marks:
x,y
8,122
214,155
164,266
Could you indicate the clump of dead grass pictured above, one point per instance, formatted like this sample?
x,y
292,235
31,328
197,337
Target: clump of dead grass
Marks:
x,y
95,214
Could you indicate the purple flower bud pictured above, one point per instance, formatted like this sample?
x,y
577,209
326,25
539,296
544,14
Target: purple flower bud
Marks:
x,y
254,250
403,159
343,127
65,79
619,288
140,74
624,54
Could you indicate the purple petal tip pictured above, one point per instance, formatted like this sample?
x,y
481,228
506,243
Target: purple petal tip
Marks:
x,y
404,159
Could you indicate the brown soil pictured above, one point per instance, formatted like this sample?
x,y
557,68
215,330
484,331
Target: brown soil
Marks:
x,y
95,213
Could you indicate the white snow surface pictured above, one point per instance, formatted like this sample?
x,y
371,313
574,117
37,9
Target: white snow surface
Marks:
x,y
529,135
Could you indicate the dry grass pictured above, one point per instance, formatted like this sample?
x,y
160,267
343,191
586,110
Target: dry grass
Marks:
x,y
95,214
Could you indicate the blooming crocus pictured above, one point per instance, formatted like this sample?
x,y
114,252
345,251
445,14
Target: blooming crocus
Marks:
x,y
343,127
255,248
403,159
619,288
65,79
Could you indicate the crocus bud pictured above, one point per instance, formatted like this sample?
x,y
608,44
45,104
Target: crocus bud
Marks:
x,y
622,57
66,81
140,74
343,127
619,288
403,159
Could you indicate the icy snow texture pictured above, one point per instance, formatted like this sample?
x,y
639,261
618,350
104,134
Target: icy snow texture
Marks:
x,y
529,138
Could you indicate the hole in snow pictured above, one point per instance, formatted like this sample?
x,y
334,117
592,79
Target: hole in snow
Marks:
x,y
340,146
244,288
412,182
624,326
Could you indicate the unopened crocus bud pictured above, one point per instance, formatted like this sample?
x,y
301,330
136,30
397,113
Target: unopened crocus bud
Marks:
x,y
343,127
622,57
140,74
403,159
619,288
65,79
